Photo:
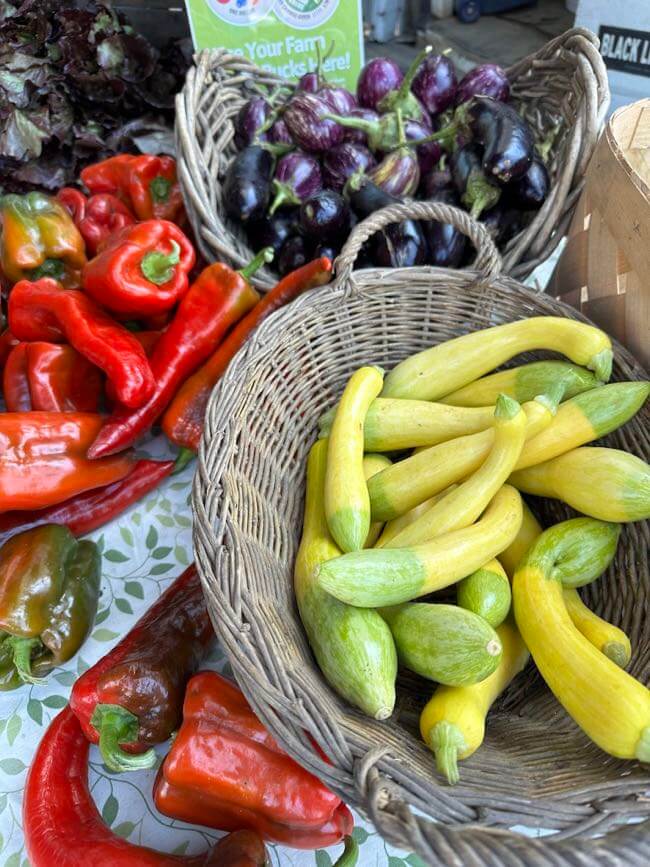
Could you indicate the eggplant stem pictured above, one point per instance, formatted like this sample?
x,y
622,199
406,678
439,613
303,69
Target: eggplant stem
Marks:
x,y
264,256
401,135
22,656
407,81
284,195
276,149
480,194
352,122
116,725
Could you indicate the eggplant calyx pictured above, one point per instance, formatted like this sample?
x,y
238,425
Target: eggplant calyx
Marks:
x,y
354,183
480,194
361,123
284,195
276,149
22,649
116,725
402,97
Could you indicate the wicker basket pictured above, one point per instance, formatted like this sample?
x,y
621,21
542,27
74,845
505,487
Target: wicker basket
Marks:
x,y
536,767
565,82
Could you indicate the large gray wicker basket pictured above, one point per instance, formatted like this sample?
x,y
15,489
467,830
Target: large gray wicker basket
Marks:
x,y
536,767
564,83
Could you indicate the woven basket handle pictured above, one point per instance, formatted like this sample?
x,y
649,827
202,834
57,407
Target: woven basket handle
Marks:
x,y
488,260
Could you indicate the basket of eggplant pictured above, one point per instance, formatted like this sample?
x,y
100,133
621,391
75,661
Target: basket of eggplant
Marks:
x,y
294,166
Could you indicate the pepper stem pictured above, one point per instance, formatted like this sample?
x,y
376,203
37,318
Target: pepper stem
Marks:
x,y
22,655
350,854
53,268
446,741
480,194
116,725
184,457
158,267
159,189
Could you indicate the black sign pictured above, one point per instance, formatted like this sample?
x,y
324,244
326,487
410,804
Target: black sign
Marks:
x,y
627,50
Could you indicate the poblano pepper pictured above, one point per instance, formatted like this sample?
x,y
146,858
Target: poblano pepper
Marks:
x,y
49,588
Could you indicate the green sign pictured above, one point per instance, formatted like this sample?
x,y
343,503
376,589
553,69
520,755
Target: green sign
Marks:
x,y
284,36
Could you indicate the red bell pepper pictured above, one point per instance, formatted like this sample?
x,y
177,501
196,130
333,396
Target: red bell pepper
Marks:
x,y
142,270
74,202
183,419
224,770
44,311
214,303
64,828
97,217
147,184
132,698
52,378
7,343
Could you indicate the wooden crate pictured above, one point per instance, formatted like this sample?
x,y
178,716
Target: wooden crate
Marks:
x,y
604,269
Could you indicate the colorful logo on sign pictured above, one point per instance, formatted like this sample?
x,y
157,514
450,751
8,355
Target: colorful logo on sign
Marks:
x,y
241,12
305,14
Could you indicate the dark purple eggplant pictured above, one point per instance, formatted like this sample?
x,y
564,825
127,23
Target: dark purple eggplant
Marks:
x,y
250,119
435,83
429,153
507,139
325,215
529,192
378,78
358,136
477,192
446,244
434,181
398,173
297,177
310,82
404,97
307,119
399,245
503,222
279,133
329,250
488,79
340,100
247,185
273,231
343,161
294,254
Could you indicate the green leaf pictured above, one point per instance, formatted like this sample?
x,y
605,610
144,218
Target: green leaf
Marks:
x,y
12,766
182,521
25,863
322,858
100,543
165,520
360,834
55,701
3,802
13,728
82,665
127,535
415,860
395,862
115,556
124,829
152,538
14,860
134,588
109,810
150,504
165,505
65,678
124,606
161,568
161,553
136,518
102,616
35,711
3,724
181,555
104,635
178,486
181,849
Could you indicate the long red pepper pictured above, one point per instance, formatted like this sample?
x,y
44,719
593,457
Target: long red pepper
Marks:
x,y
133,697
92,509
45,311
183,419
15,384
64,828
213,304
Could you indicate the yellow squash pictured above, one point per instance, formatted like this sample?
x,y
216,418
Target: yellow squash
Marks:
x,y
392,528
609,639
373,464
529,531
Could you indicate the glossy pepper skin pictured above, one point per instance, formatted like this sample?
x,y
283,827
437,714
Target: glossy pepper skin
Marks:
x,y
50,377
7,343
97,217
217,299
93,509
224,770
146,184
74,202
43,458
142,270
183,419
63,826
39,239
44,311
132,698
49,587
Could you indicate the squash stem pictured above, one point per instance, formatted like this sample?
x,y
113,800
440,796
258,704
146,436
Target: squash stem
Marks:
x,y
446,741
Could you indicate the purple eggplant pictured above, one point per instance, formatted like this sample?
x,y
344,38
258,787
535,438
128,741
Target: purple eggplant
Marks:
x,y
398,245
529,192
279,133
429,153
247,184
325,215
507,139
446,244
435,83
250,119
297,177
488,79
343,161
404,97
434,181
294,254
503,222
358,136
398,173
378,78
307,119
477,192
310,82
330,250
340,100
273,231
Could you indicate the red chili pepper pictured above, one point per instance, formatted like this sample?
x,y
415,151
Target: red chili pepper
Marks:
x,y
93,509
133,697
44,311
74,202
214,303
147,340
141,271
64,828
15,384
183,419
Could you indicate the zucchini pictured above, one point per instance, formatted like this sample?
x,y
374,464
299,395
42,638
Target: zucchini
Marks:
x,y
609,639
486,592
444,368
444,643
608,484
347,505
388,576
452,723
611,707
372,464
524,382
462,507
353,646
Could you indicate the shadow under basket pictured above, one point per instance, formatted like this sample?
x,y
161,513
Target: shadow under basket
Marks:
x,y
536,768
